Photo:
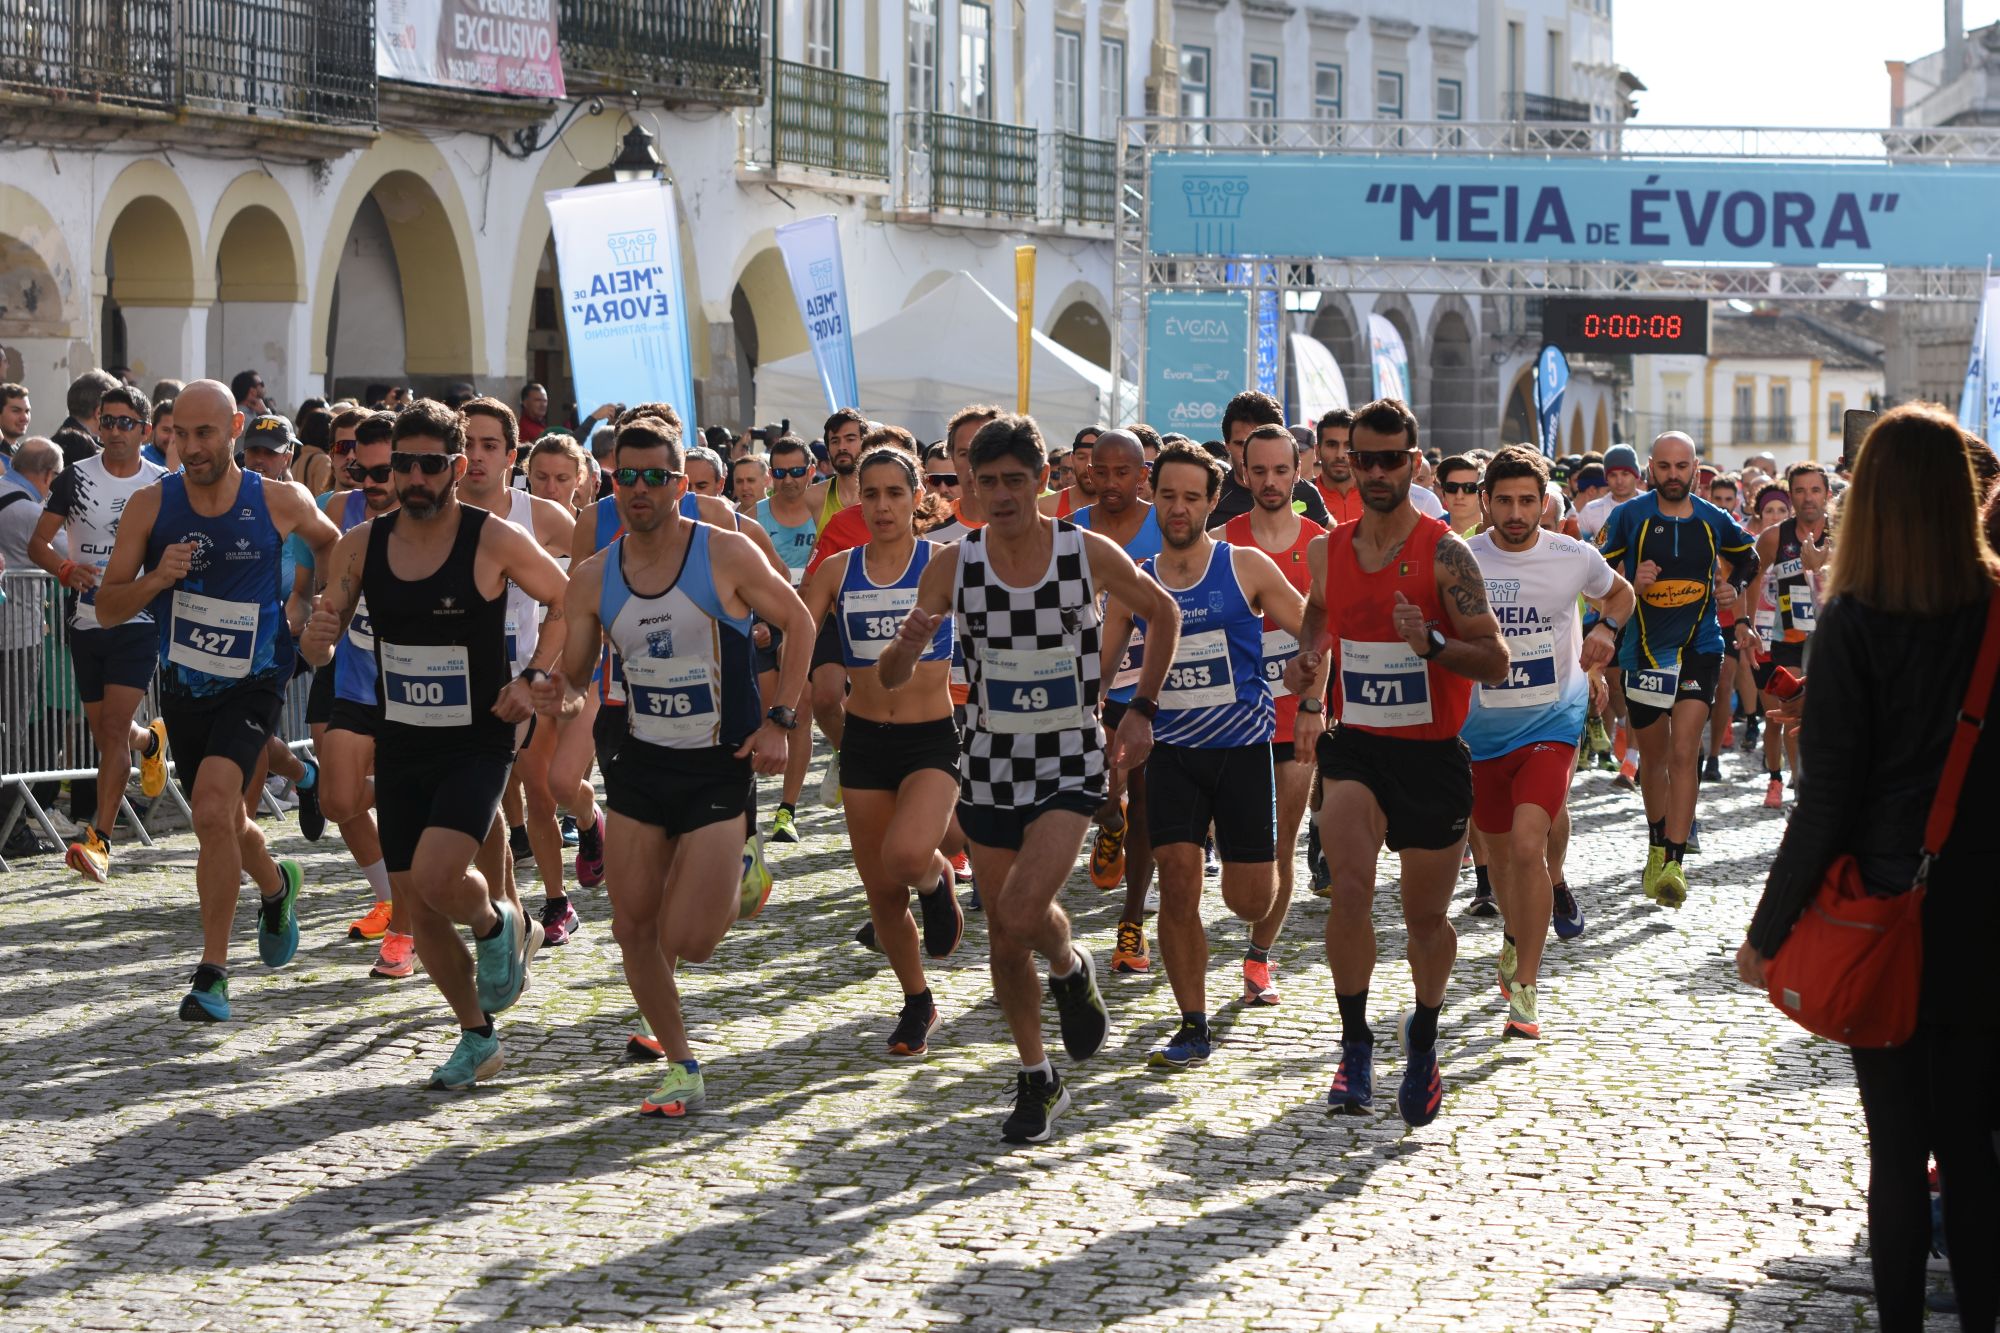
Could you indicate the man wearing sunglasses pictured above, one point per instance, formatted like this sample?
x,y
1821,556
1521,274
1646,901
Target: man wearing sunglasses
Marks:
x,y
492,440
206,543
113,665
344,736
676,600
1458,487
436,575
1400,605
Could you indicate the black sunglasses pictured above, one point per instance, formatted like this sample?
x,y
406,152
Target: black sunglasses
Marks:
x,y
119,423
1379,460
941,478
428,464
1459,487
654,477
377,474
782,473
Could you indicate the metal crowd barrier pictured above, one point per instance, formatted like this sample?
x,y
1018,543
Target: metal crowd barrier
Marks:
x,y
44,737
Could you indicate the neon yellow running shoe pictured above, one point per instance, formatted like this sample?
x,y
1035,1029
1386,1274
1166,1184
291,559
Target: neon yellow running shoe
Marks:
x,y
1656,861
680,1093
1510,963
1671,889
756,887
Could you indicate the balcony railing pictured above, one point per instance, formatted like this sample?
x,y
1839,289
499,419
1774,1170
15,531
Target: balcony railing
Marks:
x,y
956,164
1082,178
1762,430
824,120
693,50
1541,106
294,60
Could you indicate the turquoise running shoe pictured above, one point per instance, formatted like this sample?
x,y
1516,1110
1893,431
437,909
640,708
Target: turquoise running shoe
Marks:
x,y
209,1004
278,918
501,962
474,1058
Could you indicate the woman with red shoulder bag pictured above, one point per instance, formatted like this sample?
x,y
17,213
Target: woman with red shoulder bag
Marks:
x,y
1874,926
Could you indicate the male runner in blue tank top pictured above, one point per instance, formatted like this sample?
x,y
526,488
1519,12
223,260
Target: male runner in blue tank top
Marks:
x,y
436,575
1211,757
210,541
676,599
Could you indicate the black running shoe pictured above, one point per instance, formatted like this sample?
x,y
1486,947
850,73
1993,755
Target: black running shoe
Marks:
x,y
312,821
517,842
1038,1100
914,1027
865,937
944,919
1080,1007
1482,903
1750,737
1712,771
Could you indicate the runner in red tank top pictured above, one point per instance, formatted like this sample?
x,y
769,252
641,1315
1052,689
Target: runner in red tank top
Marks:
x,y
1270,463
1399,605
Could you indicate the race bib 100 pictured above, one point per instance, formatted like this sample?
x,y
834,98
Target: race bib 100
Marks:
x,y
426,685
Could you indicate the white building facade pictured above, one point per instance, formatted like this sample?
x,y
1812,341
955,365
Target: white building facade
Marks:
x,y
270,204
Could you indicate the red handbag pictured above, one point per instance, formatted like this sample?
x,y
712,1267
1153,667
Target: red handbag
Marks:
x,y
1852,968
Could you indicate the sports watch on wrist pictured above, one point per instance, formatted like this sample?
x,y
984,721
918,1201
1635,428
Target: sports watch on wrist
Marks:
x,y
788,718
1144,707
1437,646
1311,706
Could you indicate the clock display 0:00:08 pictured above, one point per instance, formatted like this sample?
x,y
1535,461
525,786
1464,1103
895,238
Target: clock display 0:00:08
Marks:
x,y
1631,326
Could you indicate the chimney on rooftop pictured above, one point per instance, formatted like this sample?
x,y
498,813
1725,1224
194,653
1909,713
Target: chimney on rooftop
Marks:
x,y
1954,39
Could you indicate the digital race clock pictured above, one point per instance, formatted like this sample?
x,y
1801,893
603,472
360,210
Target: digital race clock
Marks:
x,y
1628,324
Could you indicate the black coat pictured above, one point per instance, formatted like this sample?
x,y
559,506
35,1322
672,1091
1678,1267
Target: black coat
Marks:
x,y
1882,696
75,442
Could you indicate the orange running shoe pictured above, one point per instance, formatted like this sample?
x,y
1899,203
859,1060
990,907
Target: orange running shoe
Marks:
x,y
1257,985
89,857
1107,857
373,926
398,957
1131,954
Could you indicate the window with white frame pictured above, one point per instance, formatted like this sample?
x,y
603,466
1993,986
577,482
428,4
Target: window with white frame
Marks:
x,y
823,33
1110,86
1263,103
920,56
1388,95
1781,411
975,59
1450,99
1194,81
1836,414
1069,80
1326,91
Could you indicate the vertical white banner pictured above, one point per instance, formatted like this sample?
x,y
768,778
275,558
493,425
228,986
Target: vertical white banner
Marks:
x,y
1390,359
1321,386
811,249
619,264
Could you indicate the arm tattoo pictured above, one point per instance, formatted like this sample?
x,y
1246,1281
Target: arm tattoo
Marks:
x,y
1467,585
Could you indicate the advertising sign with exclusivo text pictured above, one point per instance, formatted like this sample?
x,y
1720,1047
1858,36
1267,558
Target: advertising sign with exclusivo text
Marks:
x,y
619,265
1917,214
1197,358
491,46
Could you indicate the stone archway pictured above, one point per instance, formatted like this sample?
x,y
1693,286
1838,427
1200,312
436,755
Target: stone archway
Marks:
x,y
1080,326
1453,419
152,296
764,315
257,256
40,305
1336,325
400,243
1600,432
1518,422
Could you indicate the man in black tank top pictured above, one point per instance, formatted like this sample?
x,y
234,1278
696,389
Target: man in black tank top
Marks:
x,y
435,574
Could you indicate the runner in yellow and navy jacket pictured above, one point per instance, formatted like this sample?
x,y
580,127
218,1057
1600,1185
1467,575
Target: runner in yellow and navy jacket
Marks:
x,y
1667,542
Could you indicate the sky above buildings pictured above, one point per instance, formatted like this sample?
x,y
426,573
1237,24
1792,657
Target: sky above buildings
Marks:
x,y
1776,62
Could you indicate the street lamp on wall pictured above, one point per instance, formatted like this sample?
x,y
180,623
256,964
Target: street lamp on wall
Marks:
x,y
638,160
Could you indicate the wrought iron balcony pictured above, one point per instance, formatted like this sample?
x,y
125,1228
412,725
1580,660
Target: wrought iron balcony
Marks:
x,y
824,120
284,60
1081,179
682,50
1760,430
1542,107
960,165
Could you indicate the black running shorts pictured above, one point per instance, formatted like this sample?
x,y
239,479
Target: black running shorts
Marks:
x,y
1232,787
877,756
234,725
1700,674
677,791
1423,787
419,788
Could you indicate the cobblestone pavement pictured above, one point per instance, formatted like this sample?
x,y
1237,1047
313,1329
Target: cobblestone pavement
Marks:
x,y
1671,1155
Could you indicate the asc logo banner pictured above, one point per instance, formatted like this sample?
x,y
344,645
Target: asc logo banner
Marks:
x,y
1197,356
1906,214
619,262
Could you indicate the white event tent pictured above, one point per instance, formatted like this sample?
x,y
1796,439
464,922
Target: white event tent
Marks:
x,y
952,346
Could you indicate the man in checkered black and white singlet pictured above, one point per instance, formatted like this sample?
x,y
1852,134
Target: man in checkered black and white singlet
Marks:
x,y
1024,592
